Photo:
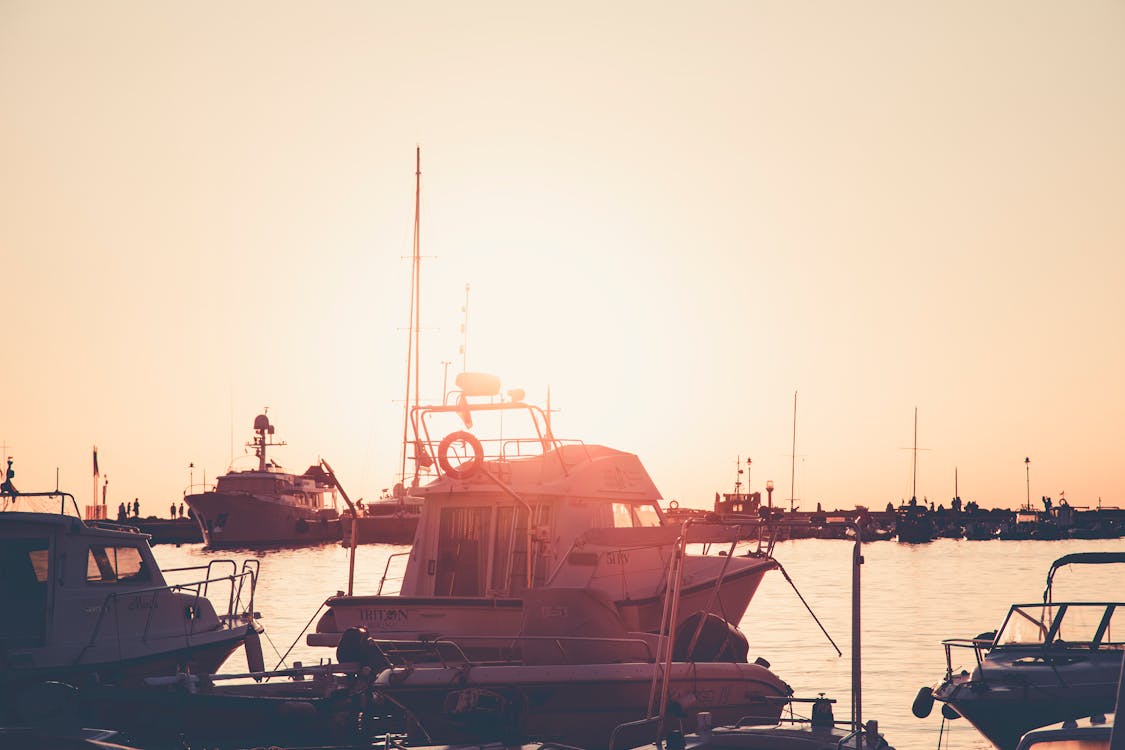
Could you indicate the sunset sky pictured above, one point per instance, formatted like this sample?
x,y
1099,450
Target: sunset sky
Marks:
x,y
674,215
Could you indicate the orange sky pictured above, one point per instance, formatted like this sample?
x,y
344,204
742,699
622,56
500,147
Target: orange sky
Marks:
x,y
674,217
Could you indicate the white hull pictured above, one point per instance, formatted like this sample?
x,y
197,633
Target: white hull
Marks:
x,y
474,619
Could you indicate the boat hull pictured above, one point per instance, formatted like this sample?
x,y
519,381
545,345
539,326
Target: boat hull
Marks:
x,y
381,529
1011,700
578,704
234,520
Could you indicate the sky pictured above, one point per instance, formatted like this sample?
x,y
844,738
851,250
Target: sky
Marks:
x,y
673,216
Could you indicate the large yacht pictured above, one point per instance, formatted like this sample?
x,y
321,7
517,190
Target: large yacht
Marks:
x,y
522,509
83,602
267,505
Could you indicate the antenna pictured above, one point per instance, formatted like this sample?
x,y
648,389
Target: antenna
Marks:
x,y
793,457
465,332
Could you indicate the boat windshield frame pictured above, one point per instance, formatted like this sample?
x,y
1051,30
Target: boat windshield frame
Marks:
x,y
1048,618
61,495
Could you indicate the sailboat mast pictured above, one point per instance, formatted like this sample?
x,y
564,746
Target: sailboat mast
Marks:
x,y
412,342
793,458
914,461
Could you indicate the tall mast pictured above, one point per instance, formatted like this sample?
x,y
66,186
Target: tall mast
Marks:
x,y
793,457
914,461
412,345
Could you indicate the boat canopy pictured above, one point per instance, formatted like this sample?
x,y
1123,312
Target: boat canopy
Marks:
x,y
1080,558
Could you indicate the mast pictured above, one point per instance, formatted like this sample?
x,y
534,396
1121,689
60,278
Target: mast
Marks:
x,y
793,457
914,460
412,345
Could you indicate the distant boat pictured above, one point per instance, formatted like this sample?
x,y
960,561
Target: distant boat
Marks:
x,y
387,521
267,505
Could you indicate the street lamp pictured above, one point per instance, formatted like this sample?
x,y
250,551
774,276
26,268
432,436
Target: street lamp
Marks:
x,y
1027,469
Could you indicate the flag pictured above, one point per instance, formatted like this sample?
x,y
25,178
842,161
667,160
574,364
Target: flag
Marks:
x,y
96,472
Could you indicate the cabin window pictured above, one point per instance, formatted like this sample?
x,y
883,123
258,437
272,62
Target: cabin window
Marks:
x,y
462,553
513,567
622,515
628,515
109,564
647,515
23,586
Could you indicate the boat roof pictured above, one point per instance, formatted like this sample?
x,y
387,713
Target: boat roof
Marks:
x,y
1080,558
69,523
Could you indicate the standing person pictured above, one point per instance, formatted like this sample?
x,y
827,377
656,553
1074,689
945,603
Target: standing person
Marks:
x,y
122,514
136,508
181,510
172,511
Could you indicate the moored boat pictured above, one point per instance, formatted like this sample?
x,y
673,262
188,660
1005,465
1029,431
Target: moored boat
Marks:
x,y
267,506
88,603
1049,662
528,510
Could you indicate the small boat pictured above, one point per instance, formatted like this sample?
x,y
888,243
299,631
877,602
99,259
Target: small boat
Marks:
x,y
267,506
1049,662
87,603
318,705
914,524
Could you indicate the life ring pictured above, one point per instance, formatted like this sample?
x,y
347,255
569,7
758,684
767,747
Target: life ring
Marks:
x,y
466,468
673,505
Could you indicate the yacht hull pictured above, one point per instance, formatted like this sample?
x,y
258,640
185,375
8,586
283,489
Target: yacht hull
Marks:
x,y
491,622
233,520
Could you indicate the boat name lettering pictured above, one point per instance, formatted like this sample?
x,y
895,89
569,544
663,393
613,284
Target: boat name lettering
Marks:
x,y
382,617
142,602
618,557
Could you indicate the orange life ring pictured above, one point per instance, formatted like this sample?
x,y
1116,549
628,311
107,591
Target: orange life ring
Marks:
x,y
468,467
673,505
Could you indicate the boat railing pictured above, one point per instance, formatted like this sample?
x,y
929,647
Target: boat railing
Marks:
x,y
387,569
146,598
453,652
979,647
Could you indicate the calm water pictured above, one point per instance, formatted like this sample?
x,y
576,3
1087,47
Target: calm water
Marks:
x,y
913,597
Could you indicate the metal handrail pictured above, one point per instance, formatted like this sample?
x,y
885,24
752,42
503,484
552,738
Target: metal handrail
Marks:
x,y
225,621
387,570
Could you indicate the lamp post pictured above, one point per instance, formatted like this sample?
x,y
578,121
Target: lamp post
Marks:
x,y
1027,469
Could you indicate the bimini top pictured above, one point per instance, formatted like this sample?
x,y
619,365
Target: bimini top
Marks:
x,y
1080,558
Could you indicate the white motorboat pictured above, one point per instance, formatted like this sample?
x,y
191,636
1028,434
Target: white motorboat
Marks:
x,y
85,602
267,505
1049,662
526,510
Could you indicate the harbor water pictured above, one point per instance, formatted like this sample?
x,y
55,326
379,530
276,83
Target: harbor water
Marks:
x,y
913,596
